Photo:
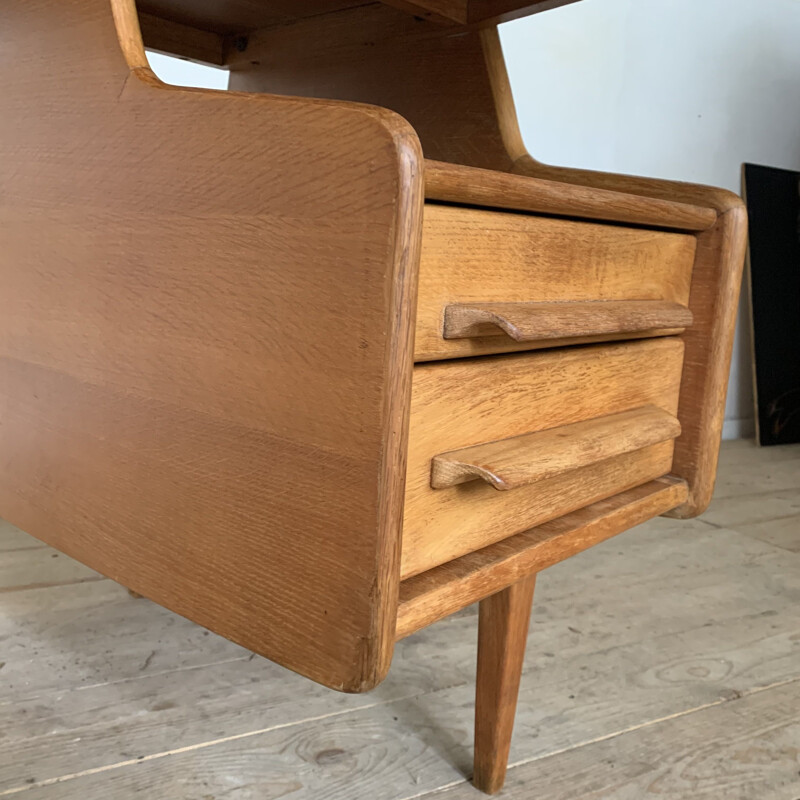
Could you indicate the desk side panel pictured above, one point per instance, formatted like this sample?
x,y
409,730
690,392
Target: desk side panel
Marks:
x,y
205,339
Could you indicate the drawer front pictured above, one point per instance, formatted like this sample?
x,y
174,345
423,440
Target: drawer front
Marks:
x,y
552,278
571,427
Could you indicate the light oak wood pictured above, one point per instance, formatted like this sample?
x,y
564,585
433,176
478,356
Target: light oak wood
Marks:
x,y
442,591
442,11
164,36
530,322
476,256
474,515
455,183
237,17
172,416
502,635
485,12
384,56
475,12
522,460
716,283
461,403
455,92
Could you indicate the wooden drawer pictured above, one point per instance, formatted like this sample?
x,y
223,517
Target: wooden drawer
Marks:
x,y
494,281
573,426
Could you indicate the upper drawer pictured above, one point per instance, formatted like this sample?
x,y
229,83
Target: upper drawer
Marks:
x,y
491,276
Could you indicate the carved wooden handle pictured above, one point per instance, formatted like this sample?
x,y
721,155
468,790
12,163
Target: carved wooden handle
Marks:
x,y
528,322
521,460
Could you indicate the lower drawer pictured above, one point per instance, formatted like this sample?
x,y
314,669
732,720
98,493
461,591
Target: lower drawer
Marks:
x,y
499,444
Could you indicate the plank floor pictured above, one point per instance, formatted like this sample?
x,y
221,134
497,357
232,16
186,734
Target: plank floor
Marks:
x,y
664,663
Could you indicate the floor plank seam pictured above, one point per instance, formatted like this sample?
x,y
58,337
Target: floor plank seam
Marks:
x,y
130,679
741,496
770,518
52,585
737,695
204,745
439,790
732,698
134,678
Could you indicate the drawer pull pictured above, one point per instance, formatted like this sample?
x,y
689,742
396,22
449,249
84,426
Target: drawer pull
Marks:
x,y
528,322
522,460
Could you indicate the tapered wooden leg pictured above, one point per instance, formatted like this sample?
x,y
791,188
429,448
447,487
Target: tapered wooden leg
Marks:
x,y
502,633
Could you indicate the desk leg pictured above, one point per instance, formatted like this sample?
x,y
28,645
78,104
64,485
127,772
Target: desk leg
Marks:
x,y
502,633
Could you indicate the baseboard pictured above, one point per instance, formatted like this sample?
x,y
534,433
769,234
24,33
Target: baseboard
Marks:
x,y
738,429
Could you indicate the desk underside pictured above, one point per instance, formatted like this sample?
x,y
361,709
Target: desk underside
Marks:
x,y
232,17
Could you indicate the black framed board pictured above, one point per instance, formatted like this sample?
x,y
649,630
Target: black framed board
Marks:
x,y
773,205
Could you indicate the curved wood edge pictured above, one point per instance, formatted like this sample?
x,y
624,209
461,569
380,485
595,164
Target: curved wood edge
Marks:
x,y
715,288
455,92
522,460
714,303
351,654
454,183
378,646
443,590
523,163
531,322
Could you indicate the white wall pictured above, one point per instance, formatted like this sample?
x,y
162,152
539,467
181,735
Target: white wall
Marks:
x,y
185,73
684,89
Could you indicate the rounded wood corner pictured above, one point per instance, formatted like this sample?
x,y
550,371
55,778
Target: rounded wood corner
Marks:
x,y
691,509
126,20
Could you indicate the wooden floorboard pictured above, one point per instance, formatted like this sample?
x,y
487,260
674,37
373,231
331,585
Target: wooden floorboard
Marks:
x,y
743,749
782,532
12,539
103,695
40,567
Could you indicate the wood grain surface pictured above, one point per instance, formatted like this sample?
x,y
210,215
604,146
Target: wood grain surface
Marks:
x,y
456,183
714,296
464,402
508,464
165,36
455,92
185,406
243,16
231,17
445,589
530,322
478,256
502,635
384,56
475,12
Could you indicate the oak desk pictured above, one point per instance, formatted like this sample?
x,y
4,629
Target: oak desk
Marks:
x,y
323,359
